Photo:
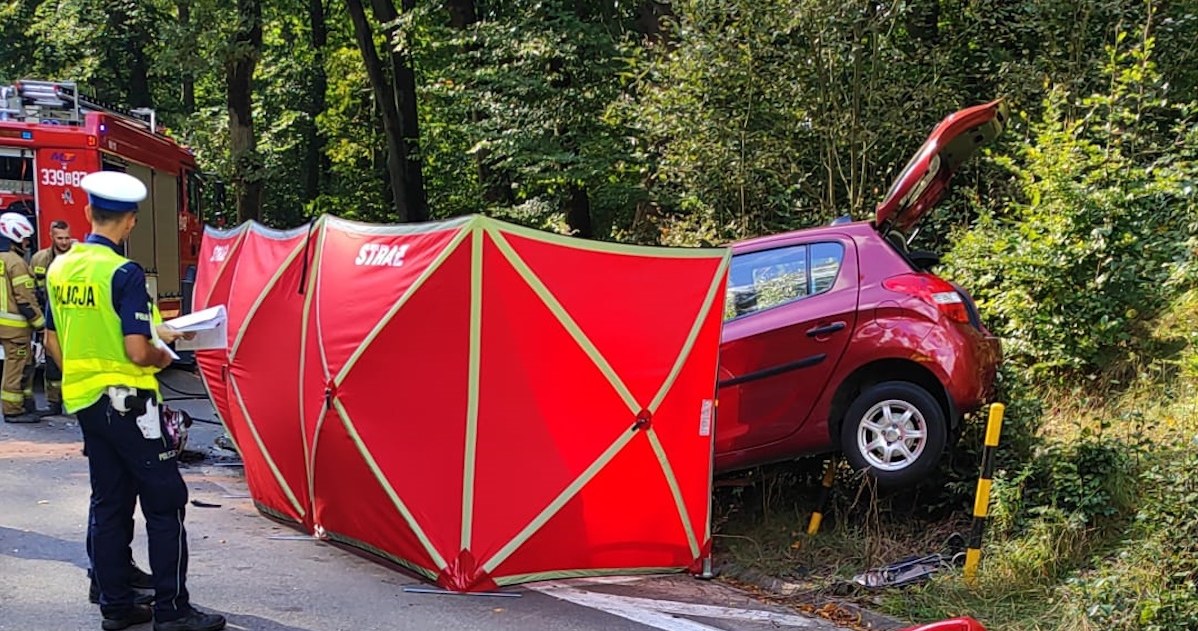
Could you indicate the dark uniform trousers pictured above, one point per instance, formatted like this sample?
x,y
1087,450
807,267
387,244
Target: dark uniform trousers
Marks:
x,y
52,376
125,466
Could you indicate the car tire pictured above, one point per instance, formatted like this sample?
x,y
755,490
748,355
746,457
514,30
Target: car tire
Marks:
x,y
895,431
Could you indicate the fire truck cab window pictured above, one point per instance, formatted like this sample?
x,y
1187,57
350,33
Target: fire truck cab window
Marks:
x,y
16,181
194,196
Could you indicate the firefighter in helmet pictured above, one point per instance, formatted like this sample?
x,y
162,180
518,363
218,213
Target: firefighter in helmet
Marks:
x,y
20,317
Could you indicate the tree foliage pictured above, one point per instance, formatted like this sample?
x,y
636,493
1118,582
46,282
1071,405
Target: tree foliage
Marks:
x,y
523,92
632,119
689,121
1082,259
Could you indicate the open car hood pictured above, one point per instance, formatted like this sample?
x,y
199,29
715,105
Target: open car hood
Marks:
x,y
924,181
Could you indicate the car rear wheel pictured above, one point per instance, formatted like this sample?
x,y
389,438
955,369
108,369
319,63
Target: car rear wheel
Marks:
x,y
895,431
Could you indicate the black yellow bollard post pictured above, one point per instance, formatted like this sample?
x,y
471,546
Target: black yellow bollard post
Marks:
x,y
817,517
981,504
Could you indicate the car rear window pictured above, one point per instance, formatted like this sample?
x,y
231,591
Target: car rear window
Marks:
x,y
825,265
769,278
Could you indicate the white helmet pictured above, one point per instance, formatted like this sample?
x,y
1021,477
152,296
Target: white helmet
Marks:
x,y
15,227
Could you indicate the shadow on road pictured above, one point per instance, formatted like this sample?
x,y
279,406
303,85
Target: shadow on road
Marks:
x,y
61,430
247,622
35,546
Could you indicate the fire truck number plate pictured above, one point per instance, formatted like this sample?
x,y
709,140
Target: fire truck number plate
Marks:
x,y
59,177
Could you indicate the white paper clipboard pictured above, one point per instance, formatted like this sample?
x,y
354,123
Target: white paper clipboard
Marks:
x,y
210,327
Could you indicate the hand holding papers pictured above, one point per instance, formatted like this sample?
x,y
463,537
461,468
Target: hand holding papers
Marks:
x,y
170,351
210,327
169,335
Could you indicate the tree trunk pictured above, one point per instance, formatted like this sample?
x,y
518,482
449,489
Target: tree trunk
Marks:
x,y
403,87
578,205
127,59
384,97
189,82
239,75
139,72
316,163
578,212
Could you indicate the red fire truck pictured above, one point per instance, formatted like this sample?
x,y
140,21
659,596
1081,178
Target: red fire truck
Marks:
x,y
51,136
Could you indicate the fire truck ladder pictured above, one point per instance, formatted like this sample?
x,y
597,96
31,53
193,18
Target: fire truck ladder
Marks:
x,y
61,103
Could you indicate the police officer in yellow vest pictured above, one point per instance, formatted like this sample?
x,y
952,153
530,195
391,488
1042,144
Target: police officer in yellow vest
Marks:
x,y
101,332
60,242
20,316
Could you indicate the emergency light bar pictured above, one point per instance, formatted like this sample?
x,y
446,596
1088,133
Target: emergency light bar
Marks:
x,y
41,93
56,102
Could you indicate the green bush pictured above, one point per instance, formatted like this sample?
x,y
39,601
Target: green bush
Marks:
x,y
1091,480
1088,483
1176,608
1050,512
1070,274
1149,584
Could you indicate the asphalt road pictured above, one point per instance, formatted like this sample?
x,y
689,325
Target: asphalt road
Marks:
x,y
290,583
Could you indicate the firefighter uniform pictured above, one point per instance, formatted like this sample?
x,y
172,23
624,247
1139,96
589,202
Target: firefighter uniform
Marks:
x,y
40,262
97,298
52,375
20,315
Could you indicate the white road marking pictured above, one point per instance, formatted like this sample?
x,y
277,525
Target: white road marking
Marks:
x,y
601,580
663,614
617,606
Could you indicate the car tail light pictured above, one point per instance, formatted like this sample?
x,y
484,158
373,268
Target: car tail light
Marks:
x,y
933,290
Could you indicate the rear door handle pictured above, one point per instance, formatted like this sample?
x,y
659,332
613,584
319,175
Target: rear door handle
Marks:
x,y
826,329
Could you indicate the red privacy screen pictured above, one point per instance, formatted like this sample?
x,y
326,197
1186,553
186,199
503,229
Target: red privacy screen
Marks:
x,y
481,403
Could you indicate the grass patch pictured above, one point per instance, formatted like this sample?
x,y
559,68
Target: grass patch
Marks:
x,y
1094,512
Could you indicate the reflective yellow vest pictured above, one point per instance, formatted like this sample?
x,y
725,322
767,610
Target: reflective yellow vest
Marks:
x,y
89,328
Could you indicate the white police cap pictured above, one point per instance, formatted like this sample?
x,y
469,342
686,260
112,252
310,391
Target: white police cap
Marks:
x,y
113,191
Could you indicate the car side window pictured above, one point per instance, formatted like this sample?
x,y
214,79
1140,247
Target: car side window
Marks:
x,y
826,259
760,280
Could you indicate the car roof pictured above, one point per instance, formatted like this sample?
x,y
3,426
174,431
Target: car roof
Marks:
x,y
763,242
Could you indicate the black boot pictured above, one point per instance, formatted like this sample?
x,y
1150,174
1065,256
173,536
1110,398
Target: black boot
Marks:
x,y
24,417
193,621
55,409
139,614
32,408
139,597
139,579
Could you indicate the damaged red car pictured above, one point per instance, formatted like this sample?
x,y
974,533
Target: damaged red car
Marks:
x,y
840,338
